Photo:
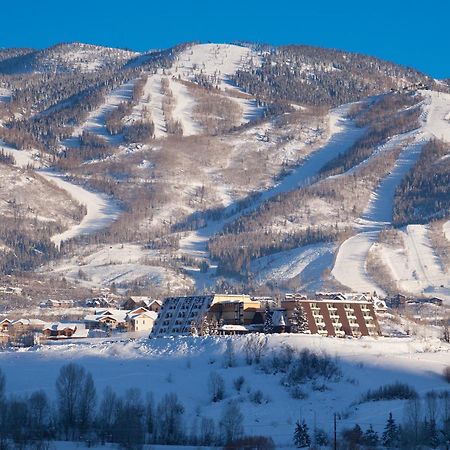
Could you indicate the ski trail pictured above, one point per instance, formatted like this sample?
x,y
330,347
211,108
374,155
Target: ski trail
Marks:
x,y
101,209
343,134
95,123
426,275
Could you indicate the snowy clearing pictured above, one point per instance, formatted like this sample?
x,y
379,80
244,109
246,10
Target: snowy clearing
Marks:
x,y
95,123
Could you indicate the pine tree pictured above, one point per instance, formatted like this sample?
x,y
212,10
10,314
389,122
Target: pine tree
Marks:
x,y
268,324
370,437
390,433
298,321
301,435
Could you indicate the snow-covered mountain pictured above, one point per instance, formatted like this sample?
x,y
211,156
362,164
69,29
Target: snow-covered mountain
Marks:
x,y
213,165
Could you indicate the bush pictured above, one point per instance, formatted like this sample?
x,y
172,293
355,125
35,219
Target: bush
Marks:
x,y
216,385
393,391
297,393
257,397
238,382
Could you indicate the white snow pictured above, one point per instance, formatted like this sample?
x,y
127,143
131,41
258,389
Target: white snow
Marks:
x,y
101,209
309,262
168,365
183,108
5,94
95,123
151,102
343,134
23,158
350,266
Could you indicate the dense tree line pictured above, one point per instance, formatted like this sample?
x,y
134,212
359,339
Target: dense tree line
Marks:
x,y
235,251
424,193
316,76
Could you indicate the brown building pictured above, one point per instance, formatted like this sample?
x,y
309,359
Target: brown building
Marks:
x,y
335,314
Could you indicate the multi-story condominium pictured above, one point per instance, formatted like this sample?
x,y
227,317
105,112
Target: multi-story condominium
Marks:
x,y
335,314
183,315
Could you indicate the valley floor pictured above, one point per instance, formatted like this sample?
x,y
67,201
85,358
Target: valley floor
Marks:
x,y
183,366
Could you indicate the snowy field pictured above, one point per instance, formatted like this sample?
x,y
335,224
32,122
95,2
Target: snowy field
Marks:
x,y
184,365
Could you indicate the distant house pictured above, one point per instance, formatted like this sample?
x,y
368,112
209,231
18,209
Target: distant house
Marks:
x,y
5,324
59,303
154,305
27,325
60,330
113,319
141,319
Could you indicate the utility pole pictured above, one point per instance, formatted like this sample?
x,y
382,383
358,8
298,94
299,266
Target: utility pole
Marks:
x,y
335,432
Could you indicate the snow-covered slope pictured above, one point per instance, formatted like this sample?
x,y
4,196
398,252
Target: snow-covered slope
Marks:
x,y
170,363
422,273
100,209
72,57
95,122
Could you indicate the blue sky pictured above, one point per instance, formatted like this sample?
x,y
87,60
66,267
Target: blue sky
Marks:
x,y
407,32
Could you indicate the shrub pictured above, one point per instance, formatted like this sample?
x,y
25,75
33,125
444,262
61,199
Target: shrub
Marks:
x,y
297,393
216,385
393,391
238,382
257,397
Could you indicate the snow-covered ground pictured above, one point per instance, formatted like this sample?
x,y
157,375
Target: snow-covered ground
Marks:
x,y
5,94
183,108
120,264
343,133
421,272
183,366
309,262
220,61
23,158
95,123
101,210
151,104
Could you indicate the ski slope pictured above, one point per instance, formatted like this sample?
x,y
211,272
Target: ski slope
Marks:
x,y
95,123
150,106
101,210
422,272
343,133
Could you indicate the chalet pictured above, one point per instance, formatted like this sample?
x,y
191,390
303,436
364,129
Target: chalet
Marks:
x,y
5,324
154,305
112,319
65,331
27,325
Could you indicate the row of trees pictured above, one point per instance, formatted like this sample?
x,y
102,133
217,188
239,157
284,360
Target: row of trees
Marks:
x,y
79,414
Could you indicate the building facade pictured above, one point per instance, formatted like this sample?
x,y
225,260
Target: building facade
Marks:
x,y
338,314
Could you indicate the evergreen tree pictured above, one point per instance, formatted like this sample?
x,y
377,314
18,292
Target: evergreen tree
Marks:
x,y
298,321
268,323
301,435
431,437
390,433
370,437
